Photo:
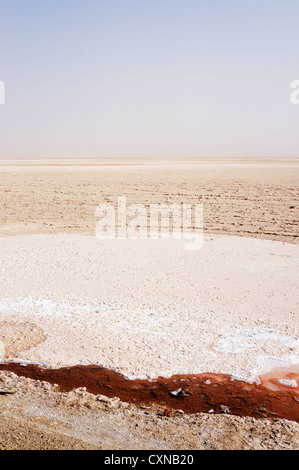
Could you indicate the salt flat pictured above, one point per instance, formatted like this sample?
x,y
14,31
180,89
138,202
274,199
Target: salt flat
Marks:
x,y
243,197
149,308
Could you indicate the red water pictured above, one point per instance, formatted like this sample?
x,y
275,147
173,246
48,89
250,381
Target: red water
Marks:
x,y
290,373
197,392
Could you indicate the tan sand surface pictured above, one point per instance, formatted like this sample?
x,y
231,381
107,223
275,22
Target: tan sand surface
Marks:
x,y
39,416
257,198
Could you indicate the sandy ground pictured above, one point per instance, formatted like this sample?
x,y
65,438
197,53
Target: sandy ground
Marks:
x,y
258,199
234,302
39,416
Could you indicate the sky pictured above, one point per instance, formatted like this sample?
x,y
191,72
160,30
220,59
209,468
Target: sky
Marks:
x,y
148,78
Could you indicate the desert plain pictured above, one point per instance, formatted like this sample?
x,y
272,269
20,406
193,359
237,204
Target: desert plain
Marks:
x,y
148,309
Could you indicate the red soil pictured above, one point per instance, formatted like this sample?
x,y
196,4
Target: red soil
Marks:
x,y
197,393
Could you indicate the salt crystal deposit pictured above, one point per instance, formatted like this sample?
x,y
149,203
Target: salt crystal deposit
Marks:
x,y
149,308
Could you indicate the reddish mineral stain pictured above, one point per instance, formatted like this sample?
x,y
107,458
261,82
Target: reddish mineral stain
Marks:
x,y
191,393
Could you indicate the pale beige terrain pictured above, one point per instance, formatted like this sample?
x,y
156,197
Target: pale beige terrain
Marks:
x,y
257,199
40,417
242,198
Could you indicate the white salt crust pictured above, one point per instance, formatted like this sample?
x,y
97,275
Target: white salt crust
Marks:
x,y
149,308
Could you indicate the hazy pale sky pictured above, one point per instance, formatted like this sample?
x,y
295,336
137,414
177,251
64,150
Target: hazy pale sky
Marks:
x,y
142,78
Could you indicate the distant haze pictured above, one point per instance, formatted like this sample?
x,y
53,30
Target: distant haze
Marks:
x,y
168,78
